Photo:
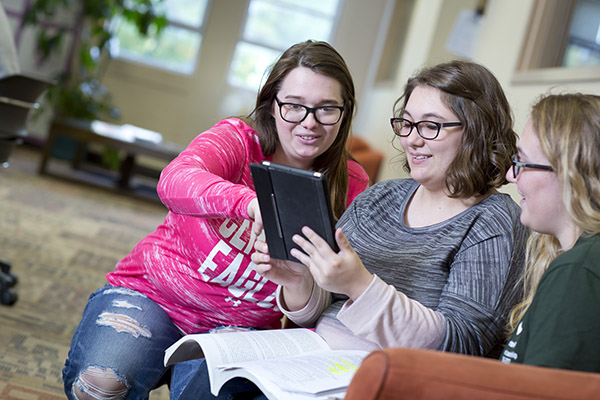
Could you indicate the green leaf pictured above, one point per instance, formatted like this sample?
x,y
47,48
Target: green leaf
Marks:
x,y
78,92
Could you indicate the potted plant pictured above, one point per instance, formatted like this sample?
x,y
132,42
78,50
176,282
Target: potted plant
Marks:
x,y
79,92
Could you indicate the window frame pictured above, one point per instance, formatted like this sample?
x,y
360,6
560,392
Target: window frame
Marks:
x,y
334,28
175,24
545,45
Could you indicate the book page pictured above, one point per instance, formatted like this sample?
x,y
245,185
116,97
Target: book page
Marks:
x,y
225,348
274,392
312,375
247,345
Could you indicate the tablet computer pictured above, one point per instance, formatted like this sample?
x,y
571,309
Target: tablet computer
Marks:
x,y
290,198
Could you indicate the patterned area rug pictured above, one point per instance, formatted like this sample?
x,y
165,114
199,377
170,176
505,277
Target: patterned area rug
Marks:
x,y
61,239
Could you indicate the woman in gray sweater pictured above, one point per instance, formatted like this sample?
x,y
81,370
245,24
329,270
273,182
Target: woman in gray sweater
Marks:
x,y
431,261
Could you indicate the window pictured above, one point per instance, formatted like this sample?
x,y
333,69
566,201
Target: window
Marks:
x,y
271,27
562,33
398,21
583,46
178,45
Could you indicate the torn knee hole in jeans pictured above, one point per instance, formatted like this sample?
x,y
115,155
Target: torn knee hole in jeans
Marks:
x,y
100,384
123,323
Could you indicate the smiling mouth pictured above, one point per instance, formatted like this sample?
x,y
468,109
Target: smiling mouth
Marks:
x,y
420,157
308,137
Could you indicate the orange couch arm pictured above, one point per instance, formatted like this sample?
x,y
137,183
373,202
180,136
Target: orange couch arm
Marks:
x,y
425,374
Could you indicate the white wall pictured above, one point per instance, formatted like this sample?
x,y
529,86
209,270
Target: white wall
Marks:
x,y
180,107
503,31
372,120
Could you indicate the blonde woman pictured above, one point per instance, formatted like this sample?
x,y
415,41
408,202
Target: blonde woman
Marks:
x,y
557,171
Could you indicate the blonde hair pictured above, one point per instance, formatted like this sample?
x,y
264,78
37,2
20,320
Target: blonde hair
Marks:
x,y
568,128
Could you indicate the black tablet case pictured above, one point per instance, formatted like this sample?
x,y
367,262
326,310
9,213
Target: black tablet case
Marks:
x,y
290,198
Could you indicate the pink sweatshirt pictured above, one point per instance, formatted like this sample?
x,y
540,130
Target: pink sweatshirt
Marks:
x,y
197,264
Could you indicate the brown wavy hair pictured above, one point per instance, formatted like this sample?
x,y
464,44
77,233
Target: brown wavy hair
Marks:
x,y
475,96
323,59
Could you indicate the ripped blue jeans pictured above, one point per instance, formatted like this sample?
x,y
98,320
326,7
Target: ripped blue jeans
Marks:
x,y
117,350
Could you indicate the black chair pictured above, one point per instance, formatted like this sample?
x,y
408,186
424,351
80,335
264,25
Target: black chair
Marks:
x,y
18,96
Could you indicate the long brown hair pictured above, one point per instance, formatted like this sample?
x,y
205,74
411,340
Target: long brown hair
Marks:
x,y
475,96
323,59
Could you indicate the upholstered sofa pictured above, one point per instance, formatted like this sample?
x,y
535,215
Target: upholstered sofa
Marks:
x,y
424,374
369,158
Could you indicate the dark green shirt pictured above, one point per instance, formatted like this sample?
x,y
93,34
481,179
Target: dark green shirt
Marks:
x,y
561,328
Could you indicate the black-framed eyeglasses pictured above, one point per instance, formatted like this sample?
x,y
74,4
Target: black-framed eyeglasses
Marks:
x,y
295,113
427,129
518,164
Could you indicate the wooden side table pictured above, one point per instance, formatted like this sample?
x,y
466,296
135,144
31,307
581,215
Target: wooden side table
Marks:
x,y
86,131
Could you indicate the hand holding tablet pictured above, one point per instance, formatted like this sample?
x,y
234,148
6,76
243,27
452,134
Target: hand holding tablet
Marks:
x,y
290,198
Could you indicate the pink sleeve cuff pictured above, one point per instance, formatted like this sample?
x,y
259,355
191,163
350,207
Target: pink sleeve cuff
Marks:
x,y
307,316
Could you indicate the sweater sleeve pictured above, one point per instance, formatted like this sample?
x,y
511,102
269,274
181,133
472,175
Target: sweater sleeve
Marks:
x,y
389,318
448,286
467,320
211,177
306,317
320,299
483,287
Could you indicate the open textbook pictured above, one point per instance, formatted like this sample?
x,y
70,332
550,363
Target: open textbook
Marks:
x,y
283,363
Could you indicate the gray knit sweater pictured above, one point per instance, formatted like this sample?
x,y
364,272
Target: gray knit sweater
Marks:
x,y
448,286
